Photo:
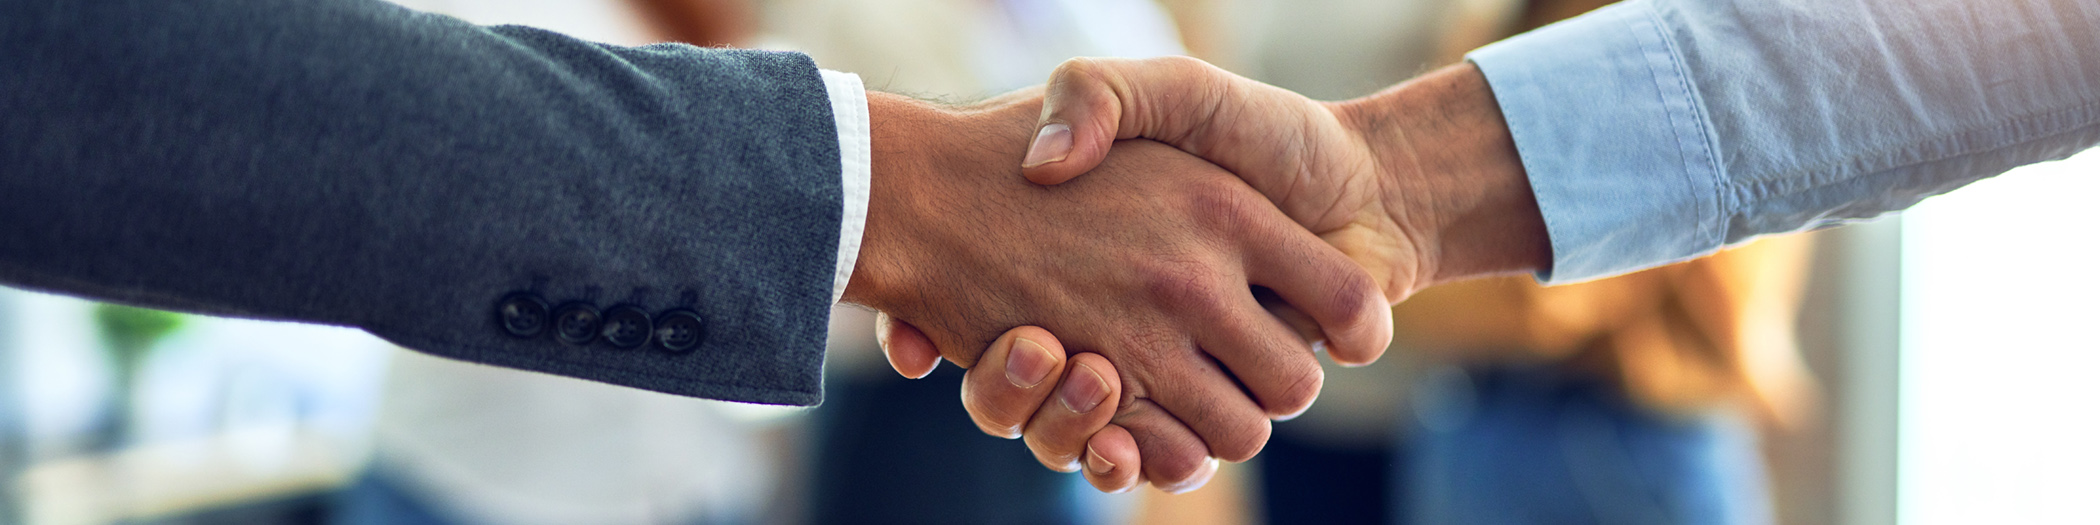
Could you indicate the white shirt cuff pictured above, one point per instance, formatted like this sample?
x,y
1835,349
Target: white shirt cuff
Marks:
x,y
849,105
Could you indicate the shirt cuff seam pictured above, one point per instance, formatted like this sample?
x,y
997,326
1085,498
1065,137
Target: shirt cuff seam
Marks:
x,y
849,107
1719,210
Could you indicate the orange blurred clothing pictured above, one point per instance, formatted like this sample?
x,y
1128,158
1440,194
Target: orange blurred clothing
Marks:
x,y
1678,338
705,23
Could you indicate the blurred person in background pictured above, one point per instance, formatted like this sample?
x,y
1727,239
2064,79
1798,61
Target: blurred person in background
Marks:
x,y
1636,399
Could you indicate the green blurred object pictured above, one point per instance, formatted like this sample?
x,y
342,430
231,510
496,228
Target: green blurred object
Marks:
x,y
128,334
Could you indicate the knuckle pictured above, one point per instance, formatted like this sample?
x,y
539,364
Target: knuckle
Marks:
x,y
1182,64
997,417
1297,396
1242,445
1356,315
1083,74
1175,467
993,428
1352,296
1055,456
1077,66
1179,282
1220,207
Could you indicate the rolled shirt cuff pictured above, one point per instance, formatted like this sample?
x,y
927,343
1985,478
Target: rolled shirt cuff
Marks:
x,y
1615,140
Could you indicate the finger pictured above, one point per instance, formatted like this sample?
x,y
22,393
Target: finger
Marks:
x,y
1323,283
1011,380
1204,472
908,349
1307,329
1090,102
1198,392
1276,367
1112,460
1083,404
1172,454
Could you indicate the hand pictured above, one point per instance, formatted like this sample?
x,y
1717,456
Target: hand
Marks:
x,y
1067,423
1075,431
1150,262
1420,184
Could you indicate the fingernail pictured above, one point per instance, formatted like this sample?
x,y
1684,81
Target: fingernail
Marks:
x,y
1196,480
1052,143
1320,346
1084,389
1027,364
1096,463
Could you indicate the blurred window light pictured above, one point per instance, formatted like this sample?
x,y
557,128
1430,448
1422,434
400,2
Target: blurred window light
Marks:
x,y
224,412
1998,386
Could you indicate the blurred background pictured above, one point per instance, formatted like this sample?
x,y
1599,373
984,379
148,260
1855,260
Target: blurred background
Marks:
x,y
1932,369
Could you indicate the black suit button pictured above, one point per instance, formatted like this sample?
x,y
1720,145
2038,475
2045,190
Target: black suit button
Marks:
x,y
522,314
627,326
680,330
576,323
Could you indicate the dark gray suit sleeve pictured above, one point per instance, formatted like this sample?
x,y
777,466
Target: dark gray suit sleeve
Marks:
x,y
433,182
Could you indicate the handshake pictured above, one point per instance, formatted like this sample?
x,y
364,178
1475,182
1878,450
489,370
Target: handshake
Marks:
x,y
1168,252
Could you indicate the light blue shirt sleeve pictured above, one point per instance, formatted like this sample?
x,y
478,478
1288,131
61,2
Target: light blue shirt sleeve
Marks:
x,y
1655,131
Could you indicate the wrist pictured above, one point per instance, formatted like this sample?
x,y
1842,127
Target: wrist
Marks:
x,y
921,156
894,160
1452,176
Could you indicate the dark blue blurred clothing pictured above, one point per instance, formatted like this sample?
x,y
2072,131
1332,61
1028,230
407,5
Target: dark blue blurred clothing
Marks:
x,y
1540,446
377,499
896,451
1522,446
1307,482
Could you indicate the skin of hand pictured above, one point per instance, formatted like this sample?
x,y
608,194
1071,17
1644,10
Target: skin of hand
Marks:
x,y
1151,261
1053,410
1067,432
1420,183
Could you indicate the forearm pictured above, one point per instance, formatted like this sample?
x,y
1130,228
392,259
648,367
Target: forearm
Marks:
x,y
353,163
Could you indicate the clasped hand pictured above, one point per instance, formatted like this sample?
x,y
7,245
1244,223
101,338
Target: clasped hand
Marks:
x,y
1188,302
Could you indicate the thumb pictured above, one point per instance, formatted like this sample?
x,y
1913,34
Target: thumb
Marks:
x,y
909,350
1089,103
